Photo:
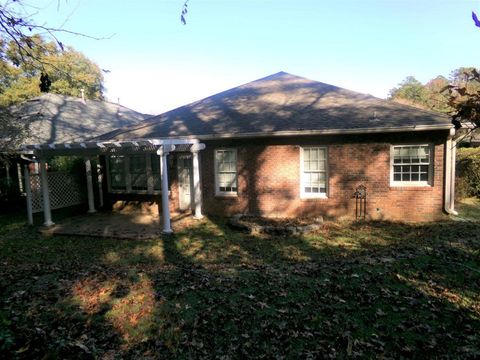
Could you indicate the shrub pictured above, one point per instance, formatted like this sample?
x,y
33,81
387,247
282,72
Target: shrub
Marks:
x,y
468,172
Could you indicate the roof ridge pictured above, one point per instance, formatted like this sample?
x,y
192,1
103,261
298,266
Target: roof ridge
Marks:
x,y
79,99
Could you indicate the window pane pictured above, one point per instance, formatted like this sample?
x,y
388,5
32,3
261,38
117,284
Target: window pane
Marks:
x,y
322,165
321,154
306,154
138,164
139,181
155,161
117,172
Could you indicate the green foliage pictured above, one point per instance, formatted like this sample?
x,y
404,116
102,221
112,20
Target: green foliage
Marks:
x,y
464,98
434,94
468,172
409,90
69,70
70,164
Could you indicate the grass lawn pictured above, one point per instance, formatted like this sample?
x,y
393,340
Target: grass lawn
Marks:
x,y
358,290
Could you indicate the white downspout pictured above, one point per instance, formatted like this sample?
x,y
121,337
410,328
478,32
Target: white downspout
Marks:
x,y
452,178
450,154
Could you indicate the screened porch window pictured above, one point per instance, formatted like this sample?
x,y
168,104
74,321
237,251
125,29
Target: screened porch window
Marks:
x,y
411,165
155,162
117,173
226,171
314,172
139,173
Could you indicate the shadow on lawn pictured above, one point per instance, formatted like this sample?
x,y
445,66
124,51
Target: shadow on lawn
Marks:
x,y
360,290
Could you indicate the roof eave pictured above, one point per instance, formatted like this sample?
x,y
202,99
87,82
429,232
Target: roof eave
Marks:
x,y
326,132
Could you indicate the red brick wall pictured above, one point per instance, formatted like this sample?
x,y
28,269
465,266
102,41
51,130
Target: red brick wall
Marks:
x,y
269,178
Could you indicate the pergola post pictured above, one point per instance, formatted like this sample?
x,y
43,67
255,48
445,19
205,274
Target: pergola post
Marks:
x,y
91,200
47,213
197,189
163,151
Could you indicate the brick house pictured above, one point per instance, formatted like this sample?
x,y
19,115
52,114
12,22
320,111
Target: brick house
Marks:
x,y
283,146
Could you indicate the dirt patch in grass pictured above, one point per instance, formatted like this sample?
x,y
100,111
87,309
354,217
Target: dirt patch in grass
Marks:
x,y
274,226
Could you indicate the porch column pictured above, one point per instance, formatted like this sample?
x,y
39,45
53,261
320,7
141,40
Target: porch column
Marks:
x,y
91,201
197,189
163,151
19,175
47,213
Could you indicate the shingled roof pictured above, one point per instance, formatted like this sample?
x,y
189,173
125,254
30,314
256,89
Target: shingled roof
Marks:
x,y
282,104
53,118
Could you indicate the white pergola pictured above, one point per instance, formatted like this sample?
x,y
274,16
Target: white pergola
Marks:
x,y
88,149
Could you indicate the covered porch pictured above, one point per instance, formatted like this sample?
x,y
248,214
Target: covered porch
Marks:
x,y
126,169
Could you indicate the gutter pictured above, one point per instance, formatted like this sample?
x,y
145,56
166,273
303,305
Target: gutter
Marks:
x,y
263,134
450,163
320,132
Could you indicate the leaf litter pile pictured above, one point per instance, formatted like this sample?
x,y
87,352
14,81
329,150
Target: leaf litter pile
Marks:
x,y
357,290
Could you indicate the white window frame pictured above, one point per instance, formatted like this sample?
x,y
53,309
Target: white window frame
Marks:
x,y
420,183
217,182
303,194
128,178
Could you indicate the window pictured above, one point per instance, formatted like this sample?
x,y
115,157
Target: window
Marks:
x,y
155,166
313,172
139,173
117,173
411,165
226,171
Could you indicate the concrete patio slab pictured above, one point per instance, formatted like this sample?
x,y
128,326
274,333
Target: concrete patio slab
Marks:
x,y
139,226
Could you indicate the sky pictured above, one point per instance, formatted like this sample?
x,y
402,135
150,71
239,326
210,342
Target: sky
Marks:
x,y
156,64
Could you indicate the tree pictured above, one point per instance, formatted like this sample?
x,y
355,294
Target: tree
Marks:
x,y
410,91
458,96
64,72
435,98
28,60
464,98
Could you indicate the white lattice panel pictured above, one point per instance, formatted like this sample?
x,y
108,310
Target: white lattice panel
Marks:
x,y
37,197
64,191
